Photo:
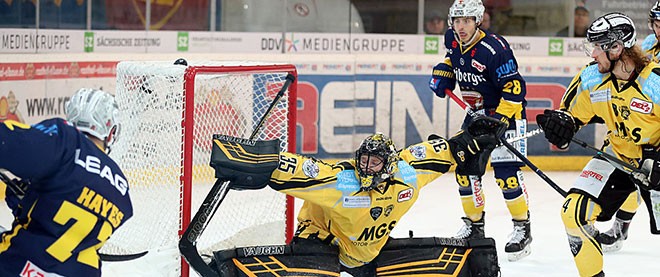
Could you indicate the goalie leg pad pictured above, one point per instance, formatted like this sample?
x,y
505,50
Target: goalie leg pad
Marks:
x,y
307,258
474,257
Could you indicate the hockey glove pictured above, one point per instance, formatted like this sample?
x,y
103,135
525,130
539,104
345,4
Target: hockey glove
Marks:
x,y
472,149
12,199
558,126
441,79
504,119
247,164
650,164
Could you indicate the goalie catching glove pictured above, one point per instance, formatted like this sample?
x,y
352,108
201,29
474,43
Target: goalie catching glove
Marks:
x,y
246,163
471,149
558,126
651,164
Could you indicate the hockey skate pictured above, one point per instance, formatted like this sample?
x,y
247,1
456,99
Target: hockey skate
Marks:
x,y
519,246
471,229
612,240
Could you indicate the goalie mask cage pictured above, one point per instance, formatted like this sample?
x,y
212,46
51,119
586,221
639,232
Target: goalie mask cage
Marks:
x,y
168,114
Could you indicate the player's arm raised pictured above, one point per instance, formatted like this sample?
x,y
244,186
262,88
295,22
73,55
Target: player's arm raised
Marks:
x,y
257,164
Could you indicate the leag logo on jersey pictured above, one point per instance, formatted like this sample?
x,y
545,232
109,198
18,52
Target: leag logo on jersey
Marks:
x,y
405,195
480,67
641,106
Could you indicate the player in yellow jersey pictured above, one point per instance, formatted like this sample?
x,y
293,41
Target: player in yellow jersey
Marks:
x,y
621,89
612,239
354,204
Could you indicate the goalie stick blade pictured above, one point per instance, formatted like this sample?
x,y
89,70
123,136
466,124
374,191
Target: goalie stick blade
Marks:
x,y
191,255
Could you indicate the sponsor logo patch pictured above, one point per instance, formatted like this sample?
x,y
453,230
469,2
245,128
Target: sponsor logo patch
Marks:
x,y
31,270
346,181
591,174
405,195
356,202
490,48
480,67
602,95
641,106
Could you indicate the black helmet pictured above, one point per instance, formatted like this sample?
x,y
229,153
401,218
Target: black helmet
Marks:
x,y
654,14
610,28
376,145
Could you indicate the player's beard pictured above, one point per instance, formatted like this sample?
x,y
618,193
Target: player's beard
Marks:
x,y
604,66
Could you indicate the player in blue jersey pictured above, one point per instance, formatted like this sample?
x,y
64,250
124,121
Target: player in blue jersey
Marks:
x,y
650,44
483,65
75,196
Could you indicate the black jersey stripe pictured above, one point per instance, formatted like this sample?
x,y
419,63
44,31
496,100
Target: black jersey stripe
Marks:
x,y
571,92
291,184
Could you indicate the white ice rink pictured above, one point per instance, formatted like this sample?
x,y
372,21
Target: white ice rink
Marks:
x,y
438,212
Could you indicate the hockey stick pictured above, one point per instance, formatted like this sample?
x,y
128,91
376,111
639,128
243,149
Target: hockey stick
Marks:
x,y
526,135
188,241
19,191
506,144
12,185
616,162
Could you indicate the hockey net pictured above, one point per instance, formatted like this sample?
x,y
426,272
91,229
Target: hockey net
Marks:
x,y
168,115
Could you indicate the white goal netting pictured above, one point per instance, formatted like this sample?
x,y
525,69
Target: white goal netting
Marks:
x,y
168,114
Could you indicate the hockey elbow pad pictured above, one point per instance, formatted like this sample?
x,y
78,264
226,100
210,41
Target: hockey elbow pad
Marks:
x,y
442,78
247,164
558,127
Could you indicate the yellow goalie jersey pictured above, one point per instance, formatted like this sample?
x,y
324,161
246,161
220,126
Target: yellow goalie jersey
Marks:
x,y
337,211
628,108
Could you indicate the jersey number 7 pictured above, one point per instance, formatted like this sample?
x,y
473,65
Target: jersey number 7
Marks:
x,y
84,223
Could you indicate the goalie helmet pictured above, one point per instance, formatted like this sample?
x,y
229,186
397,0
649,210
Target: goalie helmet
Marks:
x,y
608,29
467,8
380,146
94,112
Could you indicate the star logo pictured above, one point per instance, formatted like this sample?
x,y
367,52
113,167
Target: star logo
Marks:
x,y
292,44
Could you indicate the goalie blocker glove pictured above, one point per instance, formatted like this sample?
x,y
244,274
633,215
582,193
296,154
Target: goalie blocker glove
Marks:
x,y
651,165
558,126
471,149
246,163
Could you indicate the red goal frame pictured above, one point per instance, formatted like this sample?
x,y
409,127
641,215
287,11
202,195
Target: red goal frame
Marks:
x,y
188,138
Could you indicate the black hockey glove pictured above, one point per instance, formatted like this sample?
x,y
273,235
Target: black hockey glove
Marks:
x,y
247,164
472,149
442,78
14,192
558,127
651,164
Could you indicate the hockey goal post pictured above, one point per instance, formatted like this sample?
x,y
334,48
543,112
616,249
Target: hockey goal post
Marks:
x,y
168,114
